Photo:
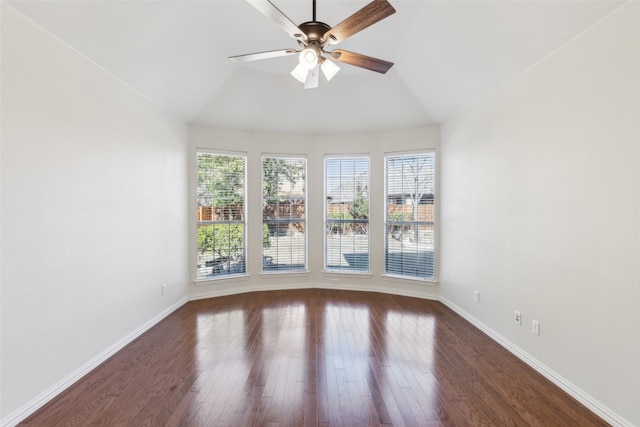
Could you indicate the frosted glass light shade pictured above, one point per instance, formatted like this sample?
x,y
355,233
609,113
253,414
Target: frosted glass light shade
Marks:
x,y
329,69
300,73
313,78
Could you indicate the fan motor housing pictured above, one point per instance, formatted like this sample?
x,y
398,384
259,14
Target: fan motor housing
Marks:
x,y
314,31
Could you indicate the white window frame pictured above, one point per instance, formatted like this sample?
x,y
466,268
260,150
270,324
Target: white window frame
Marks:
x,y
344,268
220,268
267,259
429,242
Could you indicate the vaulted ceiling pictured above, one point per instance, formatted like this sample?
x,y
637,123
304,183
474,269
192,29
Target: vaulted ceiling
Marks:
x,y
448,56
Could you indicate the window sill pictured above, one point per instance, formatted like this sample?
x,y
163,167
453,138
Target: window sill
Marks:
x,y
395,278
218,279
347,273
285,273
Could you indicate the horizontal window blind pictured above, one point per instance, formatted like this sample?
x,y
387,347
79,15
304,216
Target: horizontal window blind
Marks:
x,y
346,214
410,215
284,240
221,214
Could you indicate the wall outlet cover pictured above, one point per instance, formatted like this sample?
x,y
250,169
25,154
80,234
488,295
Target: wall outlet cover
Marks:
x,y
535,327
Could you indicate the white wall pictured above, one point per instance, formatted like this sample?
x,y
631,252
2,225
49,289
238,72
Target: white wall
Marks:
x,y
314,147
540,212
94,189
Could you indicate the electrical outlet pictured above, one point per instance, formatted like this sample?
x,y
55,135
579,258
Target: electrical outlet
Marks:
x,y
517,317
535,327
164,288
476,296
334,281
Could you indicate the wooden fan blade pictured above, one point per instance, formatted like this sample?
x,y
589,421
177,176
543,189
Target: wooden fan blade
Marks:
x,y
375,11
362,61
271,11
262,55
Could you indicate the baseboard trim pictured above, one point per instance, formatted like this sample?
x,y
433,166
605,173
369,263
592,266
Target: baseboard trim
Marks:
x,y
45,397
592,404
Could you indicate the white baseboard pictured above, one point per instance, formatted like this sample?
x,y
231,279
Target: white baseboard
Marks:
x,y
31,407
592,404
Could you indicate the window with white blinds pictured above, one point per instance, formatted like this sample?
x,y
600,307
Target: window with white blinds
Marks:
x,y
346,214
221,189
410,215
284,239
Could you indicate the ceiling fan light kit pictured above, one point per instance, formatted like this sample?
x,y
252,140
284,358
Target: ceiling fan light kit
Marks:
x,y
329,68
309,57
300,73
314,36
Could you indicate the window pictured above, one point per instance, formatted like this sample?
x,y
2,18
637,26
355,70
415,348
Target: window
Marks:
x,y
410,215
284,240
346,214
221,214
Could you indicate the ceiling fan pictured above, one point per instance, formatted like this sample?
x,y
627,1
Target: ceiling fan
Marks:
x,y
314,36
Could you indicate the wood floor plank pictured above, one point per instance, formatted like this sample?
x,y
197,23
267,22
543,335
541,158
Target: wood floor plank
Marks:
x,y
313,358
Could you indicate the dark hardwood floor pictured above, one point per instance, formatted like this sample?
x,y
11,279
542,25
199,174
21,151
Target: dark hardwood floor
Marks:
x,y
313,357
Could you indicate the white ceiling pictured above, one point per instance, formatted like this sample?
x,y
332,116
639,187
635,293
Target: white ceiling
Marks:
x,y
448,55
